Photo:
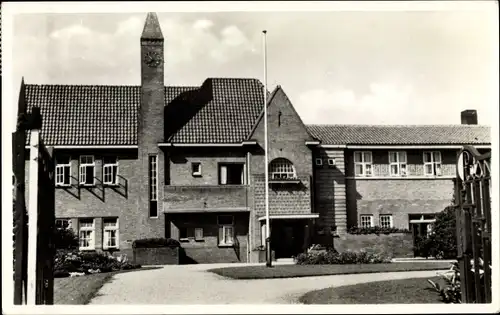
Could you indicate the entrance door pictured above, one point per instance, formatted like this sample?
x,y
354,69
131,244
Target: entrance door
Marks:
x,y
287,238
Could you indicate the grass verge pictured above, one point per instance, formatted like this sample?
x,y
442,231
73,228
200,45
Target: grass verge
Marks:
x,y
80,290
294,271
405,291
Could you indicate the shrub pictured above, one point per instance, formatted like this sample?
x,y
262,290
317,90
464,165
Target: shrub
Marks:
x,y
375,230
65,239
442,242
332,257
451,292
155,242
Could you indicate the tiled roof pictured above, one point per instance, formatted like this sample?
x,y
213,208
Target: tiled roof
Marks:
x,y
222,111
86,115
401,134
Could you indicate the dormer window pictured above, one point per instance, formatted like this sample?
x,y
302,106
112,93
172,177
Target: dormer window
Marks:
x,y
282,169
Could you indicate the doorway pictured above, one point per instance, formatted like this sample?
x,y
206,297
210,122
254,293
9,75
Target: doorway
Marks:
x,y
288,237
420,227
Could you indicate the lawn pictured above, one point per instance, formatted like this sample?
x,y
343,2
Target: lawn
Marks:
x,y
80,290
293,271
406,291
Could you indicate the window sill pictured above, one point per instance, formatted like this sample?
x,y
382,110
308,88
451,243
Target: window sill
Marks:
x,y
402,177
199,241
110,185
87,185
184,240
111,248
62,186
226,245
284,181
86,249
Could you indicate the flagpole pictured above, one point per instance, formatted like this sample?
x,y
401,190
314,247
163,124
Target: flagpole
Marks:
x,y
266,163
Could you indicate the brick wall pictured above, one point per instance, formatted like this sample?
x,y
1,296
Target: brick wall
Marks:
x,y
398,197
330,189
397,245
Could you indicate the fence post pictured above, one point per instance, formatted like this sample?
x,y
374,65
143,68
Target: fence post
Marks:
x,y
33,217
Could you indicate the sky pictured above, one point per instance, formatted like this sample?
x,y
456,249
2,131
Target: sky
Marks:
x,y
337,67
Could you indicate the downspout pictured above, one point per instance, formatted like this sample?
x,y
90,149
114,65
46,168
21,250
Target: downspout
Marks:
x,y
250,214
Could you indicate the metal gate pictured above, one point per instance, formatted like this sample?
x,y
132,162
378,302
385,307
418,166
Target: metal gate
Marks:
x,y
473,198
33,229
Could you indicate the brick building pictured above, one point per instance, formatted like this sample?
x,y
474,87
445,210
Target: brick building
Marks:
x,y
157,160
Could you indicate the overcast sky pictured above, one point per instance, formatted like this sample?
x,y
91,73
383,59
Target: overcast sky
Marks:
x,y
336,67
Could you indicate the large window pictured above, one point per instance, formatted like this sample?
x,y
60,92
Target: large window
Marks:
x,y
153,186
397,162
110,233
63,171
226,230
110,171
432,163
231,174
363,163
87,170
386,220
86,234
282,169
366,221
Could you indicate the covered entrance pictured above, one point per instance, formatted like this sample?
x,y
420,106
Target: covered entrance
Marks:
x,y
421,226
290,235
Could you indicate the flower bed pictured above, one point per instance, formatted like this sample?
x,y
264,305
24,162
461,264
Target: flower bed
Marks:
x,y
330,257
73,262
375,230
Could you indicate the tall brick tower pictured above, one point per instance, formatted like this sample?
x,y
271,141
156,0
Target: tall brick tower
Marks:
x,y
151,127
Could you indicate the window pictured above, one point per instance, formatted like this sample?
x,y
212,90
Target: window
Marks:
x,y
63,171
153,186
86,234
110,171
87,170
386,220
397,162
232,174
63,224
110,235
363,163
198,234
226,230
319,162
331,162
366,221
432,163
282,169
196,167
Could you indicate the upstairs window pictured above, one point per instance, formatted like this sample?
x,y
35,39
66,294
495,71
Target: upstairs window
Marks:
x,y
63,171
363,163
231,174
282,169
87,170
432,163
397,162
110,171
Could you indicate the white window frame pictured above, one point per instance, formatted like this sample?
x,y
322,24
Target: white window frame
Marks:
x,y
223,171
391,223
319,161
83,167
64,219
153,183
222,240
436,165
401,164
108,167
281,168
365,216
198,172
332,162
105,236
60,172
363,163
86,229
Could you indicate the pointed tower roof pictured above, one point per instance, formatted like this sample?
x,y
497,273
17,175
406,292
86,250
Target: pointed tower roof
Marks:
x,y
152,28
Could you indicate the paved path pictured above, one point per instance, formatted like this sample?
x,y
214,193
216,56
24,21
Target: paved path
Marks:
x,y
192,284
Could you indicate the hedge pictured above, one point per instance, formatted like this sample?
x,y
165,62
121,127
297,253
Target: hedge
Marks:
x,y
155,242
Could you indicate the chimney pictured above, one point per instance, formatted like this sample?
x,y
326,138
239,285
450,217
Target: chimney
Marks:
x,y
469,117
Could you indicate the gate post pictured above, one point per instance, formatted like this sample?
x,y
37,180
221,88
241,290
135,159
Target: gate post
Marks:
x,y
33,217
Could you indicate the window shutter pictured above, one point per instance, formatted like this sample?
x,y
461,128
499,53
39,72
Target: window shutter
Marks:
x,y
221,234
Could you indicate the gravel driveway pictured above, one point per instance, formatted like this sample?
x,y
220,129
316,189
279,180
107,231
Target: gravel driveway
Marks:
x,y
192,284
